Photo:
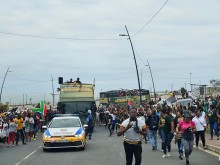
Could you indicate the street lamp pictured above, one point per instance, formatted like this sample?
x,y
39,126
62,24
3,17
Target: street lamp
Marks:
x,y
190,75
152,79
3,84
134,60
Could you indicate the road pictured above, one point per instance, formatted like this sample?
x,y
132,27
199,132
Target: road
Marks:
x,y
101,150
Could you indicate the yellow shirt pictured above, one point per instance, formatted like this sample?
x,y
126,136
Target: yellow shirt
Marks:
x,y
20,123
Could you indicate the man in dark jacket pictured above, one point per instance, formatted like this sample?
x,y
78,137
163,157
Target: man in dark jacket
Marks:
x,y
153,122
90,123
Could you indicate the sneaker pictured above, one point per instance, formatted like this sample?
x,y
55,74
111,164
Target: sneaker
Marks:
x,y
168,154
153,148
7,146
204,148
162,150
187,162
164,156
34,138
181,157
217,138
24,143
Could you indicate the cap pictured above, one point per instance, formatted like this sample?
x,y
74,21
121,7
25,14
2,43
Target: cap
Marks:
x,y
89,111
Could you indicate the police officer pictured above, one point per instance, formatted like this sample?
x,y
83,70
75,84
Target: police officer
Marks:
x,y
90,123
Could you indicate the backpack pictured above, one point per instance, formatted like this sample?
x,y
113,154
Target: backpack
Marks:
x,y
154,122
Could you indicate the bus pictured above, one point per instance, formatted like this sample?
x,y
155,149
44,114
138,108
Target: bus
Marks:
x,y
76,98
124,97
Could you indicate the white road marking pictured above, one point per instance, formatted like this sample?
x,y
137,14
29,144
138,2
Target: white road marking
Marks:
x,y
28,155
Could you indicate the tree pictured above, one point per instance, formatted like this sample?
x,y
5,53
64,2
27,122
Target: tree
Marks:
x,y
215,83
4,107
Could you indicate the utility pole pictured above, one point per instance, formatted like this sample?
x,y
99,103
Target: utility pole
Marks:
x,y
134,61
3,84
53,90
190,76
26,100
141,79
23,100
155,97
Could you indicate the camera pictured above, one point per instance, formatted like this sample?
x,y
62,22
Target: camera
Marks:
x,y
136,128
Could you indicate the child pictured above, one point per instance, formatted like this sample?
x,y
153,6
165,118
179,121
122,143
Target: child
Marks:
x,y
12,131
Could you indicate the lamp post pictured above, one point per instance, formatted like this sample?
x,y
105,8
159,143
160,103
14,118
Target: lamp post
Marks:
x,y
134,61
190,76
152,79
3,84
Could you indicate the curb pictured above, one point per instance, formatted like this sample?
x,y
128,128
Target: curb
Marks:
x,y
211,148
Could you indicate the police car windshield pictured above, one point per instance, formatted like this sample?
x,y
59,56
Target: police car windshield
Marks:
x,y
64,123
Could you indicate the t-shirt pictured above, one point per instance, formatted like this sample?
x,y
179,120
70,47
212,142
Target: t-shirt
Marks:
x,y
131,136
166,123
5,129
20,123
213,116
184,125
12,127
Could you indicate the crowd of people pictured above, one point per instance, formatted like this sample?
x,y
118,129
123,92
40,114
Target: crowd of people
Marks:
x,y
22,125
181,123
137,124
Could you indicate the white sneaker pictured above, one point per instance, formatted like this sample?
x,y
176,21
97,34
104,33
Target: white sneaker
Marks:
x,y
164,156
168,154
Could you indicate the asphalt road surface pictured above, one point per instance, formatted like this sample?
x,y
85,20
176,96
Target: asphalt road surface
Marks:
x,y
101,150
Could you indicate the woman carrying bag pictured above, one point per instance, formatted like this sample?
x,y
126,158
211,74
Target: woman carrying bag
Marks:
x,y
187,128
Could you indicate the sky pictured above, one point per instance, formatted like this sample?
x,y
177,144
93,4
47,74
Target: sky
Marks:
x,y
80,38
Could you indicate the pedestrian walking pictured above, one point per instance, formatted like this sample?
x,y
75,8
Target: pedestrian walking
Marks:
x,y
20,133
167,129
213,121
132,129
110,119
29,127
200,123
187,128
153,123
12,131
90,123
178,137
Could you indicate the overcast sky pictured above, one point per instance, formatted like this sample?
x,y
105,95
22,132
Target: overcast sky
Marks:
x,y
83,41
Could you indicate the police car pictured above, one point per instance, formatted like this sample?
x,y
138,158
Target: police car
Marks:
x,y
64,132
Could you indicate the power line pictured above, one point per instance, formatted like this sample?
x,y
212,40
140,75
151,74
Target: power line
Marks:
x,y
24,78
28,84
58,38
150,19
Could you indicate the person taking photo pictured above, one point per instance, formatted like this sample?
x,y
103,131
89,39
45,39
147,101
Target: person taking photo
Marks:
x,y
133,129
